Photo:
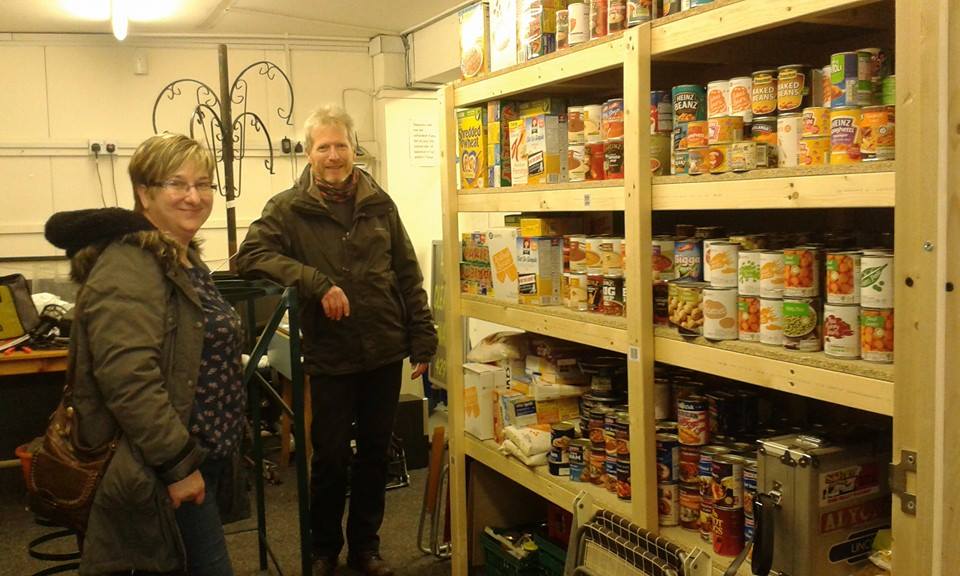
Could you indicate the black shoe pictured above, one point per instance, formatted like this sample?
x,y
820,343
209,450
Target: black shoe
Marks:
x,y
324,566
370,564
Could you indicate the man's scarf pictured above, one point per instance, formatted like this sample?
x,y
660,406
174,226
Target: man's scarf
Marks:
x,y
339,193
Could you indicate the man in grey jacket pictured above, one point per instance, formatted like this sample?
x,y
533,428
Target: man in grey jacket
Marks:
x,y
337,236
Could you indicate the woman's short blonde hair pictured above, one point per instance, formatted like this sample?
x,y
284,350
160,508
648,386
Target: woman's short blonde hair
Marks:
x,y
159,157
326,115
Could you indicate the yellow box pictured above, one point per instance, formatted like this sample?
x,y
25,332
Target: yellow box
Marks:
x,y
550,225
472,141
540,269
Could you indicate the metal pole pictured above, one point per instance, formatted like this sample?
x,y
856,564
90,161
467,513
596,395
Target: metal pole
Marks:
x,y
299,428
226,121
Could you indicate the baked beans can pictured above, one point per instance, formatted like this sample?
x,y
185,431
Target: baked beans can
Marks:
x,y
663,257
575,125
690,506
598,18
793,88
728,481
579,17
596,151
616,15
720,313
748,272
719,158
613,158
705,468
789,128
876,279
764,92
668,458
801,271
720,262
592,121
888,91
740,98
563,29
689,463
612,119
748,318
816,122
689,103
638,12
727,530
878,134
578,291
624,491
688,259
706,519
764,131
692,422
661,112
771,321
814,151
843,277
698,133
659,154
771,274
844,79
698,160
876,334
614,303
718,98
801,324
668,503
845,134
841,333
724,129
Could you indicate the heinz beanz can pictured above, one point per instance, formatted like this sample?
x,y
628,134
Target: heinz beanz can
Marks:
x,y
689,103
841,330
845,135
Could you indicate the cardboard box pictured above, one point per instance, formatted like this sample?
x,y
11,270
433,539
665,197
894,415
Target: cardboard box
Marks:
x,y
472,143
550,225
558,410
499,115
546,138
503,34
540,270
518,152
517,409
538,28
502,246
559,371
479,382
474,40
550,106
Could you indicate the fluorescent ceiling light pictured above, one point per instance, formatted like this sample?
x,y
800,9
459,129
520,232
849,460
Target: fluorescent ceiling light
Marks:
x,y
137,10
118,18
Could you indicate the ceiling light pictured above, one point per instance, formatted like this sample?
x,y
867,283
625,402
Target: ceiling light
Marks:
x,y
118,18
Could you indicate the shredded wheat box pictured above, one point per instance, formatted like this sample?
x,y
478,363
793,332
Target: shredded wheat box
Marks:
x,y
502,244
540,270
472,142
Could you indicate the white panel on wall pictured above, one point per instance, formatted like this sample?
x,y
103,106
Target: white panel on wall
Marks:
x,y
23,97
68,173
24,194
315,72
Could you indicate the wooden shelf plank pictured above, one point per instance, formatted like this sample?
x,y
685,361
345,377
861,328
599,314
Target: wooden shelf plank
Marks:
x,y
865,185
609,332
854,383
585,59
729,18
557,489
689,539
580,196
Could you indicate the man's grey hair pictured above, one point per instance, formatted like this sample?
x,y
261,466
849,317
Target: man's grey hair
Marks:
x,y
327,115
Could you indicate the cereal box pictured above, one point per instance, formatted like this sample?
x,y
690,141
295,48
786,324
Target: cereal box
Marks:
x,y
538,28
503,34
499,115
502,245
546,149
552,106
518,152
474,59
472,141
540,270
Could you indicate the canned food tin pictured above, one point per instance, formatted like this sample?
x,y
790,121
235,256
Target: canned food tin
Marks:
x,y
748,272
698,160
679,135
719,312
771,321
595,293
686,310
705,469
565,290
749,485
750,241
688,259
610,472
878,134
876,334
789,127
720,259
728,481
592,120
616,16
814,151
724,129
611,256
575,125
841,334
764,131
668,505
689,463
690,506
578,451
663,257
638,12
876,279
598,18
845,135
801,271
816,122
719,158
612,119
670,7
668,458
718,98
801,324
689,103
561,434
679,162
661,111
578,291
613,158
749,527
748,318
593,257
660,303
563,29
661,399
740,99
793,88
698,133
614,303
843,277
844,79
577,163
867,59
596,153
771,274
764,92
722,413
578,253
706,519
659,154
889,91
695,3
692,425
826,85
727,530
579,16
623,479
597,466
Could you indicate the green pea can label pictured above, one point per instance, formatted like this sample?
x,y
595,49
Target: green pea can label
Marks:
x,y
801,324
876,279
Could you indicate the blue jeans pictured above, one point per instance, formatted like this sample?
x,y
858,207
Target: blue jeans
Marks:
x,y
202,530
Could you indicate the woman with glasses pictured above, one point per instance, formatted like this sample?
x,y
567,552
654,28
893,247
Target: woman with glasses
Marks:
x,y
155,354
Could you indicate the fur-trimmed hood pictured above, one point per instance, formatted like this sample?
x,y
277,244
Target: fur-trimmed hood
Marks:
x,y
84,234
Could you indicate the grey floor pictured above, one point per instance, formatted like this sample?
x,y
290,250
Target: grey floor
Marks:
x,y
398,534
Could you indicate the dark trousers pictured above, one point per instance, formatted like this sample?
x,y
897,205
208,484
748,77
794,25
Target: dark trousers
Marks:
x,y
369,399
201,528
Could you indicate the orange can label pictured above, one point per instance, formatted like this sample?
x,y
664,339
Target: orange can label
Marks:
x,y
764,93
791,88
697,133
878,136
814,151
845,135
816,122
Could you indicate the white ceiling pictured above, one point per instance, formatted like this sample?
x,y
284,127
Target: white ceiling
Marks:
x,y
330,18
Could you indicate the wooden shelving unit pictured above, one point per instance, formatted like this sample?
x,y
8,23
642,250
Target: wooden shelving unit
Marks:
x,y
601,195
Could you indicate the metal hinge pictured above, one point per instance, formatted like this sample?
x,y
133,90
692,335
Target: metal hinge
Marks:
x,y
898,481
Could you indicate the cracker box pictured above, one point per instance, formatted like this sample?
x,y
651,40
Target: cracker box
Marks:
x,y
518,152
540,270
499,115
479,382
502,246
503,34
538,28
474,45
550,225
472,141
546,149
551,106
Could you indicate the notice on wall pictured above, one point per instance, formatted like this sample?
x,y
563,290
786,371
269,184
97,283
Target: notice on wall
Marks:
x,y
424,137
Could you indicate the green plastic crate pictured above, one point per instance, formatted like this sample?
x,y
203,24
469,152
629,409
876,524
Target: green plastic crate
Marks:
x,y
501,563
550,557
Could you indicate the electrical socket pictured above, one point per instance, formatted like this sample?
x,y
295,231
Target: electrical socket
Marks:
x,y
110,147
95,147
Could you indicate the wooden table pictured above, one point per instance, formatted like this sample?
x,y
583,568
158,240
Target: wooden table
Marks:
x,y
36,362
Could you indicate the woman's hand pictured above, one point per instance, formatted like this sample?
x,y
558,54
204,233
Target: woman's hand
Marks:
x,y
190,489
418,370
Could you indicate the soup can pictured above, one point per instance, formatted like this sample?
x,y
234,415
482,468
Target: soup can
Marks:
x,y
579,16
690,506
888,95
764,92
663,258
793,88
596,152
598,18
668,458
689,103
771,321
727,530
718,98
577,163
613,158
611,256
624,491
706,519
705,468
698,160
612,119
688,259
659,154
563,29
816,122
801,271
801,324
614,301
728,481
748,272
720,262
843,277
841,330
878,134
845,134
771,274
616,15
578,291
692,422
610,472
679,136
661,112
668,503
561,434
876,279
814,151
638,12
740,98
578,253
689,462
748,318
764,131
578,451
789,127
876,334
575,125
844,79
719,158
724,129
592,121
593,254
698,133
720,313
